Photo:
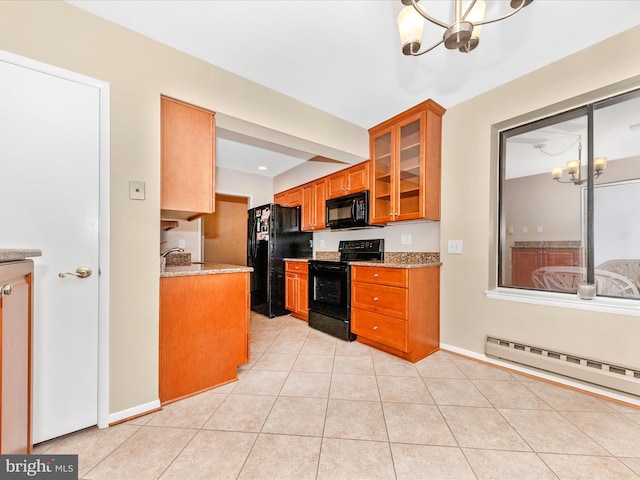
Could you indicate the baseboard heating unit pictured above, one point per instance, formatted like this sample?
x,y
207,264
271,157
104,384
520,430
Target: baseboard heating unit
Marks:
x,y
615,377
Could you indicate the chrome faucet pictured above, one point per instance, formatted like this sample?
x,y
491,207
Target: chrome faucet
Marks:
x,y
171,250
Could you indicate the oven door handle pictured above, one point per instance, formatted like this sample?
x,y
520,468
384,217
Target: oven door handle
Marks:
x,y
353,211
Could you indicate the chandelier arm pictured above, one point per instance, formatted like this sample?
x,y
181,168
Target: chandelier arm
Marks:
x,y
506,15
469,8
427,16
418,53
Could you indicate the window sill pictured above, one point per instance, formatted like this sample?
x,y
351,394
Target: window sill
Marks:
x,y
619,306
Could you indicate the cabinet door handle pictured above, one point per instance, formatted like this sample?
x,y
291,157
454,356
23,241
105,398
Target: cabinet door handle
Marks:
x,y
375,275
375,299
6,290
375,327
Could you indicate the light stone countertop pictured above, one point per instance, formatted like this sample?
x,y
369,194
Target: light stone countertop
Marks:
x,y
15,254
202,269
392,259
387,264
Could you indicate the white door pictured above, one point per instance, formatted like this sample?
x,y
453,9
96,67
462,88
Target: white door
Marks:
x,y
49,192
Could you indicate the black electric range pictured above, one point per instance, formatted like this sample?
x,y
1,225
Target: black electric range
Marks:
x,y
330,287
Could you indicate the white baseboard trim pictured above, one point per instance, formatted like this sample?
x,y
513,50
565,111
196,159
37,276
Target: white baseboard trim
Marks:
x,y
133,411
544,375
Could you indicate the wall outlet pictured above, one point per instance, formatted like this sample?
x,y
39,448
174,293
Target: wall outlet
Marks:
x,y
405,239
136,190
524,229
321,243
455,247
181,243
539,229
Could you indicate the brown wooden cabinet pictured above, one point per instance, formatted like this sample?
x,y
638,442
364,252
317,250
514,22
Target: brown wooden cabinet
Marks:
x,y
350,180
289,198
397,309
296,289
405,168
526,260
187,159
204,332
314,195
15,356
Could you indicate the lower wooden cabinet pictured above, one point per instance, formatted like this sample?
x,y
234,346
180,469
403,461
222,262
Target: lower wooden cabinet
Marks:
x,y
15,356
526,260
397,309
204,332
297,289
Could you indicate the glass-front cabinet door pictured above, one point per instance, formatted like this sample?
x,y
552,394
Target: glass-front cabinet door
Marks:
x,y
409,170
405,156
382,191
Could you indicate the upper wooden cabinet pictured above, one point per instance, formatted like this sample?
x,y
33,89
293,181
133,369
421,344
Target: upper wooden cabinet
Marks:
x,y
405,165
314,196
187,159
350,180
289,198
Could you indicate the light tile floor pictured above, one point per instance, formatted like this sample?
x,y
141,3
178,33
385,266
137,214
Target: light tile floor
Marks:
x,y
309,406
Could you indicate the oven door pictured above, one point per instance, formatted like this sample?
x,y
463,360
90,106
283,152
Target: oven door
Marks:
x,y
329,289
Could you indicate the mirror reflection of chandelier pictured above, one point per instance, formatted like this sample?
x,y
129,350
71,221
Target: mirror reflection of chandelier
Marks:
x,y
462,34
574,168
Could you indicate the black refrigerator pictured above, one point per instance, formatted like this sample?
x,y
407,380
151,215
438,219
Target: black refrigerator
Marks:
x,y
274,234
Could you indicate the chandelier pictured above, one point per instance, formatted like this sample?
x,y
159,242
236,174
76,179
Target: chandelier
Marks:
x,y
462,34
574,168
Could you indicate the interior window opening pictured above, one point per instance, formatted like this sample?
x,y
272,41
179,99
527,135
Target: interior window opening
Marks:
x,y
569,188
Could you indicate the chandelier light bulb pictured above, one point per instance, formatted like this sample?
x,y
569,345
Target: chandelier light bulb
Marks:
x,y
410,25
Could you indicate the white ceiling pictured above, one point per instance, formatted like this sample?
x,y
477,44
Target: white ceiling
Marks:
x,y
344,56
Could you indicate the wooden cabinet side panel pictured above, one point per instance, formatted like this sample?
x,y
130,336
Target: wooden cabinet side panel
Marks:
x,y
203,332
432,166
424,311
15,358
187,157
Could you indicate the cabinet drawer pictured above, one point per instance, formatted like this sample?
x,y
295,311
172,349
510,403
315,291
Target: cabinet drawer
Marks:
x,y
299,267
380,299
380,328
396,277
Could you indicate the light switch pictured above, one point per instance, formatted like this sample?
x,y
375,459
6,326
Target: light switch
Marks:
x,y
525,230
136,190
405,239
539,229
455,247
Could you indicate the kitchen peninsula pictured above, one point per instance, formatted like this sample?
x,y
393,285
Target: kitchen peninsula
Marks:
x,y
204,327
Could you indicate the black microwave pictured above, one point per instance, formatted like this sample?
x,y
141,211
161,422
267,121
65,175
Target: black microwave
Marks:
x,y
349,211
